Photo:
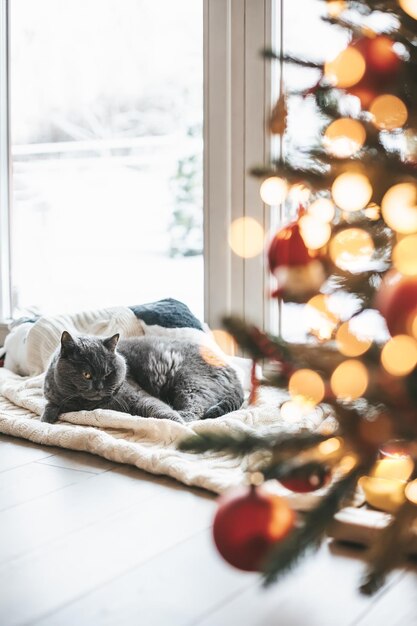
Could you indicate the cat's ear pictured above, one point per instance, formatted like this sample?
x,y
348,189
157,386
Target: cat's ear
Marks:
x,y
111,342
67,342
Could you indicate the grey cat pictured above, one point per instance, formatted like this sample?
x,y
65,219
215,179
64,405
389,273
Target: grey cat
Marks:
x,y
146,376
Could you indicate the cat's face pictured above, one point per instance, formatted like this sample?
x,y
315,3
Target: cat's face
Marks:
x,y
89,367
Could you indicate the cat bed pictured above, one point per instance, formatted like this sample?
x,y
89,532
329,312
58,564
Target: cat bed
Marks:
x,y
148,443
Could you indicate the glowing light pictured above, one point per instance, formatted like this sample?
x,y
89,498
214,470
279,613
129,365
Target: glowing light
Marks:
x,y
399,208
320,319
246,237
348,343
274,190
225,341
291,410
346,69
315,233
409,7
399,355
399,468
388,112
404,256
322,209
372,211
330,446
411,489
344,137
383,493
351,248
299,193
351,191
349,380
307,384
336,7
347,463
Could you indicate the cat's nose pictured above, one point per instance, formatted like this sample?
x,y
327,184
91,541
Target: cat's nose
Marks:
x,y
99,386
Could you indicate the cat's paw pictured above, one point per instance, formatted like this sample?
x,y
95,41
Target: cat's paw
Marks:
x,y
50,414
213,412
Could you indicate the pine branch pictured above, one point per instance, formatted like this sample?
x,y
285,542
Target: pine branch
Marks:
x,y
390,549
308,537
242,444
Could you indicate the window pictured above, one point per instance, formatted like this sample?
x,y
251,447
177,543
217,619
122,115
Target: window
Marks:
x,y
106,141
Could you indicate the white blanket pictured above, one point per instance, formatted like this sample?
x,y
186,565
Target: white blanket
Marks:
x,y
148,443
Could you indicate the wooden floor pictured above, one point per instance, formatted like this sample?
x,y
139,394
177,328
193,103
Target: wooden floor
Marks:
x,y
86,541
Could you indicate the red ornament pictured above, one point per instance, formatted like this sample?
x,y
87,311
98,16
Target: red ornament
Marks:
x,y
298,271
247,524
397,302
302,482
383,66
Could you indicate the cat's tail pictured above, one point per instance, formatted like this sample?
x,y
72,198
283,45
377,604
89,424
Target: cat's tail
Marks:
x,y
227,405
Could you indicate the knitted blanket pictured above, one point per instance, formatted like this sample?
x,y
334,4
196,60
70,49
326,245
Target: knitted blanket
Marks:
x,y
148,443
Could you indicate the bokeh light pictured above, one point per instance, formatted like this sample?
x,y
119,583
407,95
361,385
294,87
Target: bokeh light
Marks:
x,y
388,112
351,191
336,7
372,211
349,343
344,137
399,468
299,193
307,384
322,209
409,7
225,341
274,190
404,256
399,355
246,237
411,488
330,446
346,69
321,321
314,232
350,248
349,380
292,411
399,208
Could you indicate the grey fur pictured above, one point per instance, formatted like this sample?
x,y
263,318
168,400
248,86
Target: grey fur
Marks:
x,y
146,376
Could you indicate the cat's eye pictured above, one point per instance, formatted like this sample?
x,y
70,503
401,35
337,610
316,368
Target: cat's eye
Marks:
x,y
87,375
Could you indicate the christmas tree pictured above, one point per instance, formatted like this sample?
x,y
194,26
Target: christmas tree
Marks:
x,y
353,240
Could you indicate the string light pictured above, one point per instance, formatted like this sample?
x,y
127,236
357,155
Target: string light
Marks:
x,y
351,191
274,190
346,69
409,7
246,237
322,209
351,248
314,232
399,355
399,208
344,137
350,344
321,321
349,380
404,256
388,112
307,384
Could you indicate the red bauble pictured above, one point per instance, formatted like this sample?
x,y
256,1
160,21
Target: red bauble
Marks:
x,y
301,482
298,271
247,524
397,302
383,66
380,57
